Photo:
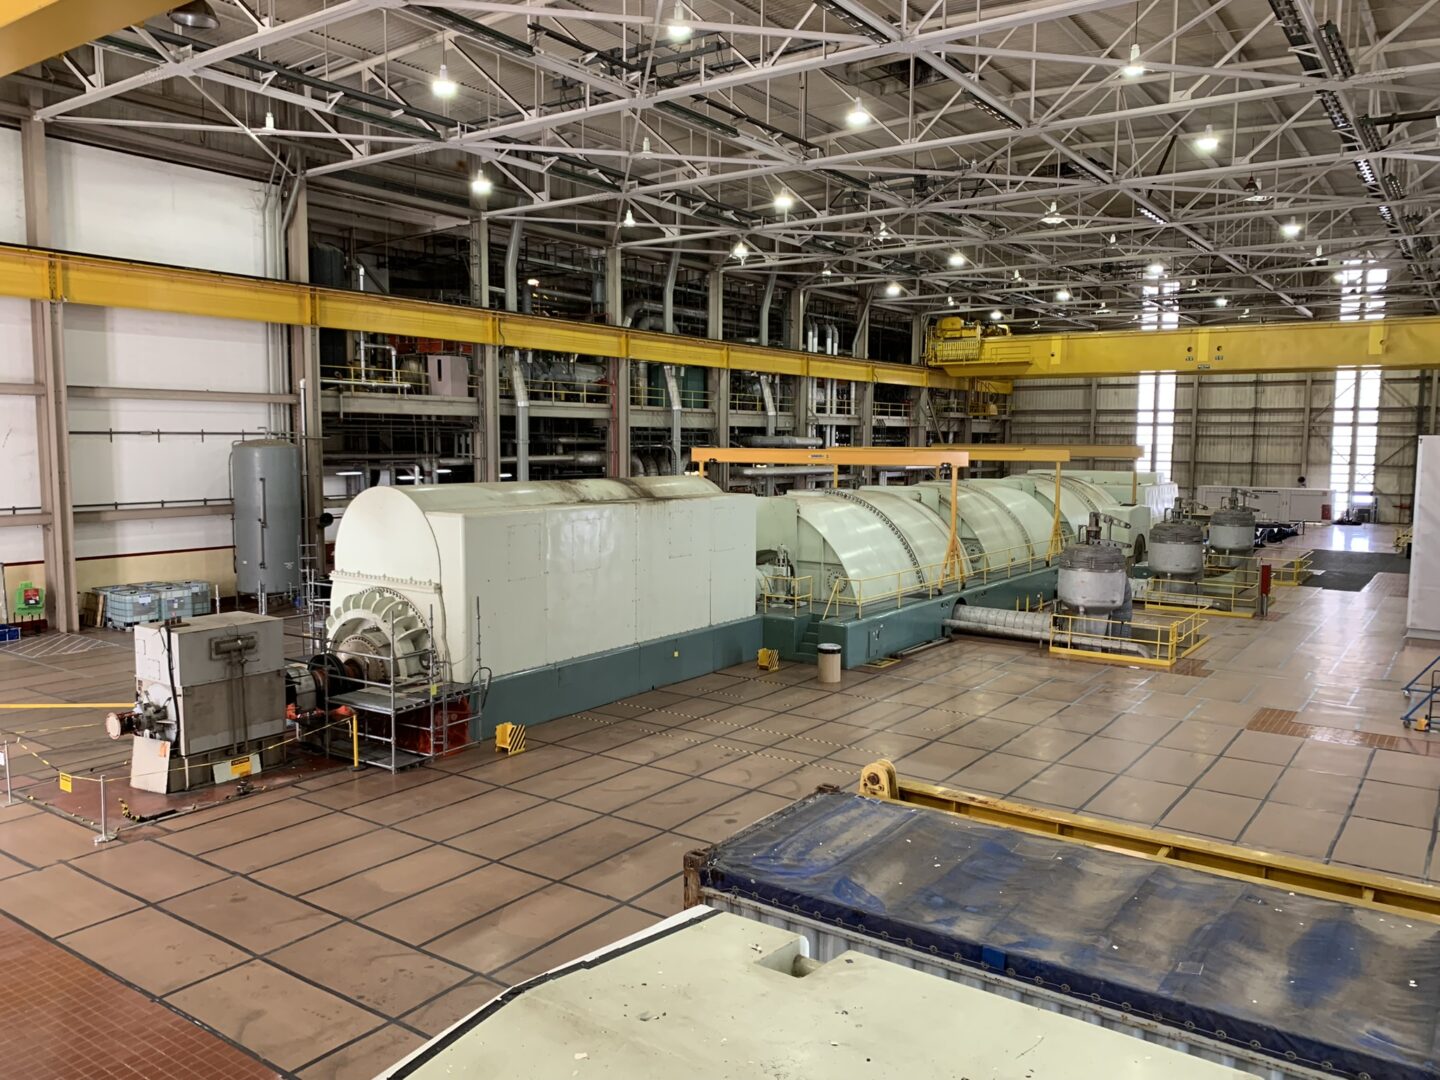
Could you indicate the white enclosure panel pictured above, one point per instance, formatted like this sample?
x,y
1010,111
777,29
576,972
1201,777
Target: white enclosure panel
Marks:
x,y
21,544
125,347
505,553
673,570
12,191
107,203
590,590
19,467
98,539
1424,607
732,559
17,363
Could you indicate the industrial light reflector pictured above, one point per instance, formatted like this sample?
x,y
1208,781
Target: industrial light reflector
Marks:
x,y
443,86
1290,230
1062,296
1209,142
1155,270
482,184
956,259
1222,301
996,316
197,15
1134,69
784,201
1053,216
629,221
857,116
678,30
893,289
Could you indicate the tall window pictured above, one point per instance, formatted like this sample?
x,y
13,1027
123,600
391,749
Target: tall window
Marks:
x,y
1354,436
1362,291
1155,422
1160,306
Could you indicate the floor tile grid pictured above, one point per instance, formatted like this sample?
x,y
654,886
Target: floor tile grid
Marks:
x,y
380,1017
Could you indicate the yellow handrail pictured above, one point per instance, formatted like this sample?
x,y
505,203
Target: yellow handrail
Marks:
x,y
797,591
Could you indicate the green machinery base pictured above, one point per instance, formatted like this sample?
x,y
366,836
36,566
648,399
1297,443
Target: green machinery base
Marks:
x,y
532,697
886,628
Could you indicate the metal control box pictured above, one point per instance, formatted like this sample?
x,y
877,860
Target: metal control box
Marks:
x,y
186,654
220,677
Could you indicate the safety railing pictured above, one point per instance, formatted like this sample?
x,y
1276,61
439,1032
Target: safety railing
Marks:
x,y
784,591
567,391
1147,641
1288,571
740,401
894,409
657,397
1238,598
1004,563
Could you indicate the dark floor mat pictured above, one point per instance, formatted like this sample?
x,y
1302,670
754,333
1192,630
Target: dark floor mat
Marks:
x,y
1338,580
1371,562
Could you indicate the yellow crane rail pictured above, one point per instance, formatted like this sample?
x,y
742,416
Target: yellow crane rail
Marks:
x,y
1380,892
35,30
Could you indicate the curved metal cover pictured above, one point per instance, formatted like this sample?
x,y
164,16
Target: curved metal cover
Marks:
x,y
982,517
927,535
856,541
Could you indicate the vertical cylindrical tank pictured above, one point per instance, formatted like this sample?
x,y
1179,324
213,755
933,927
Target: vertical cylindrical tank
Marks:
x,y
1232,530
1092,578
1177,549
265,488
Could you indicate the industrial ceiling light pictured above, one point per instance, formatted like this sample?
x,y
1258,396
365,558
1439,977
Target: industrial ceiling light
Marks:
x,y
949,301
1222,301
1155,269
443,86
893,289
442,472
1134,69
1253,192
349,472
269,127
1338,276
678,30
826,271
857,116
784,201
956,259
1053,217
1062,296
482,184
1209,142
1290,230
1103,309
533,282
740,251
197,15
629,221
996,316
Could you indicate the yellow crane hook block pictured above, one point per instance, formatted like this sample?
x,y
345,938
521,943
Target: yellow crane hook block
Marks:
x,y
510,738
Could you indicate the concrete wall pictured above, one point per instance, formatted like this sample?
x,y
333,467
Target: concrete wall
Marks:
x,y
114,204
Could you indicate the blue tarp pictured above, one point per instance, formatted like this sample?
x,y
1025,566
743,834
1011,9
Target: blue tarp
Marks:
x,y
1316,982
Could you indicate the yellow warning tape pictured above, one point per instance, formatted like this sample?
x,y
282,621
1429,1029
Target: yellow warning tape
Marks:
x,y
72,705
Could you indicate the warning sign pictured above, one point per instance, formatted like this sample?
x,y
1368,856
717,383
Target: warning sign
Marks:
x,y
240,766
67,782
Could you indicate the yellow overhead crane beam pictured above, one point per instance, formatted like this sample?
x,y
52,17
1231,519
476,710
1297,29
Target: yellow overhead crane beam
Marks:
x,y
35,30
33,274
1243,348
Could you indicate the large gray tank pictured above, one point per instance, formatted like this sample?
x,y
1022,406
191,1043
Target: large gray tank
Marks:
x,y
265,487
1232,530
1177,549
1093,578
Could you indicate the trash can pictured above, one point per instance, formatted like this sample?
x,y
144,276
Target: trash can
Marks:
x,y
829,662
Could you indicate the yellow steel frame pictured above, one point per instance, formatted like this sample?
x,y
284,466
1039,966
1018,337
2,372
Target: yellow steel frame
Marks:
x,y
1361,888
1242,598
1287,573
32,274
1412,342
35,30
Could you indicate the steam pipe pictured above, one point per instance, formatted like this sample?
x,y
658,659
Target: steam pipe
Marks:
x,y
522,420
1030,626
667,309
512,266
762,471
765,301
673,388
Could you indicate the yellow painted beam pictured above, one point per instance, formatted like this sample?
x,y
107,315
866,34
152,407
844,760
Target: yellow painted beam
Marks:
x,y
35,30
1043,451
84,279
1241,348
924,457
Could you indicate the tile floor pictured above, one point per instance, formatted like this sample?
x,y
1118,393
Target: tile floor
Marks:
x,y
330,925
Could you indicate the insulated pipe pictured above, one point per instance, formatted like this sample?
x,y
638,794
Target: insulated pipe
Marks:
x,y
394,361
667,305
765,301
769,400
1030,626
522,420
761,471
673,388
580,457
770,442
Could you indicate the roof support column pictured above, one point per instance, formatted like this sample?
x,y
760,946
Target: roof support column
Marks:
x,y
52,434
305,384
485,366
715,304
618,367
795,339
720,397
667,300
